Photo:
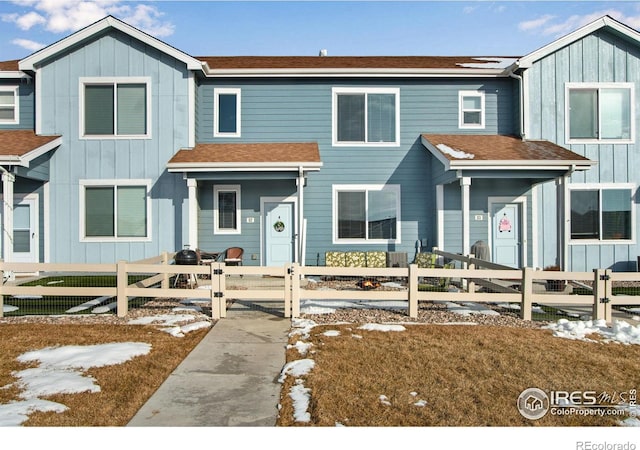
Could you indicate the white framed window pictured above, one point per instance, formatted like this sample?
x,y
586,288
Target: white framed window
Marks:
x,y
366,116
600,112
601,212
226,209
471,109
115,108
9,105
115,210
366,214
226,112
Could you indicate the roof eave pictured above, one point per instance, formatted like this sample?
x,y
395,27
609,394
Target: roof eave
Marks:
x,y
32,61
14,75
25,160
246,167
358,72
567,165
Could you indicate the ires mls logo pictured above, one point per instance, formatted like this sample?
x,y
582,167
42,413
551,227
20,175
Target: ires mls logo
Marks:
x,y
533,403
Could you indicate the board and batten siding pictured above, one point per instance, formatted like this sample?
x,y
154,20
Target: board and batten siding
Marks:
x,y
597,58
115,54
300,110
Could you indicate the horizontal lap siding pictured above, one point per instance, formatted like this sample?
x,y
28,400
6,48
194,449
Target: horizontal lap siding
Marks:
x,y
115,55
301,110
600,57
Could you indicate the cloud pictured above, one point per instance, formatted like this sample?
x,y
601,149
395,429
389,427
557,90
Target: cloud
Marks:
x,y
29,45
547,26
65,16
469,9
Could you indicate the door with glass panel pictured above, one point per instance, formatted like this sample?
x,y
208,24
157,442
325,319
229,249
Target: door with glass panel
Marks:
x,y
25,229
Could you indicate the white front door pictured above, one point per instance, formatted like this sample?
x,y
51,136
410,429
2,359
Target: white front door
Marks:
x,y
278,233
25,229
506,234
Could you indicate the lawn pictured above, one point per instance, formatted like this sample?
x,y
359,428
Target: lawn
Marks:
x,y
124,387
469,376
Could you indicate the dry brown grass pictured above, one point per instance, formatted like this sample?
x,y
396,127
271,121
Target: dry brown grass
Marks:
x,y
124,387
469,376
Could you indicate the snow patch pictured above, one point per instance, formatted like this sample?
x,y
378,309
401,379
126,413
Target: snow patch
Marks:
x,y
454,153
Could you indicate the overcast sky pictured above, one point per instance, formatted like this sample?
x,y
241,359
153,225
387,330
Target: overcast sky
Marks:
x,y
210,28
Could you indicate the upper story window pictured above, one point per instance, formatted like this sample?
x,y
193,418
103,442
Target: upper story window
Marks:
x,y
471,109
226,209
8,104
115,210
600,112
366,116
115,107
602,213
366,214
226,112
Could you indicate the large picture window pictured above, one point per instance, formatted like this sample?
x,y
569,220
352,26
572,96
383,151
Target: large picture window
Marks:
x,y
600,112
114,210
366,116
115,108
602,213
226,209
226,112
8,104
369,213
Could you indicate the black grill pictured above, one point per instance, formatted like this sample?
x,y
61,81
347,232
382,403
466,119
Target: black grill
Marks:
x,y
186,257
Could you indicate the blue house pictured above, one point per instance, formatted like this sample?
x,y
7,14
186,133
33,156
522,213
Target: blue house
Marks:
x,y
115,145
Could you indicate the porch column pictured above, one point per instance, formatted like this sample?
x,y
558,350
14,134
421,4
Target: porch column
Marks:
x,y
192,208
465,182
300,236
7,214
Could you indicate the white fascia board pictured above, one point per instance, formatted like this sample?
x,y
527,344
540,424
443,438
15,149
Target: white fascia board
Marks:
x,y
24,160
425,73
521,165
240,167
14,75
31,61
437,153
605,21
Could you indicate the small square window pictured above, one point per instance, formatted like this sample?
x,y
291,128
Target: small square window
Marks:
x,y
471,109
8,104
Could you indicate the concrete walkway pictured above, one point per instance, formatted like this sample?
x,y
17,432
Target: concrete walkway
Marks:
x,y
230,378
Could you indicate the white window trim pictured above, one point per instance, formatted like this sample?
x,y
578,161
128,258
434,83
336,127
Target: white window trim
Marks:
x,y
16,105
84,81
114,183
461,110
598,86
226,188
363,90
216,111
600,187
359,188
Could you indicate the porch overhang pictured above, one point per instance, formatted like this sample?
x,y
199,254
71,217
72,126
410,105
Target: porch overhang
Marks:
x,y
497,153
247,157
21,147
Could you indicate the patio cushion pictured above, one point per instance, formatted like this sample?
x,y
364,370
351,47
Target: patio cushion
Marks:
x,y
334,259
426,260
376,259
355,259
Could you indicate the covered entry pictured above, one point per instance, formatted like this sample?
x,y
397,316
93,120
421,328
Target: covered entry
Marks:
x,y
484,191
248,195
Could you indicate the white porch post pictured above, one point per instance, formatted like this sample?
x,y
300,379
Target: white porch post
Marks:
x,y
300,213
465,182
192,185
7,215
440,209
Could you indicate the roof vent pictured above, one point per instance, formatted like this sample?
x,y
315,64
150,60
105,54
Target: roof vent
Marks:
x,y
323,52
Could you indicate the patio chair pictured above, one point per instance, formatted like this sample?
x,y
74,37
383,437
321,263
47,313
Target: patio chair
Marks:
x,y
231,256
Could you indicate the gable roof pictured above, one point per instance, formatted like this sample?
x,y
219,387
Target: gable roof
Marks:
x,y
10,69
605,21
271,156
500,152
20,147
31,61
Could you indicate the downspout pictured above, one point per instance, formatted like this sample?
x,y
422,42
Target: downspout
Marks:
x,y
512,74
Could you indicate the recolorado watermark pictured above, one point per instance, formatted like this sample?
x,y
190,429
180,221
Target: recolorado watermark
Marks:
x,y
590,445
534,403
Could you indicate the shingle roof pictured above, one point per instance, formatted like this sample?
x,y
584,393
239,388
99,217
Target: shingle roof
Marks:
x,y
289,153
10,66
455,147
21,142
356,62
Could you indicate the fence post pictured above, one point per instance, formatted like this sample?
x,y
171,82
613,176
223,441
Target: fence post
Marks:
x,y
608,294
599,294
413,290
471,285
222,287
164,284
527,292
295,290
122,303
1,286
215,283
